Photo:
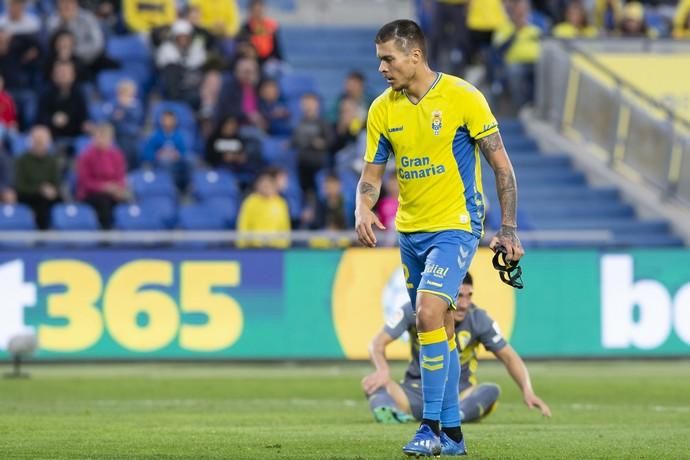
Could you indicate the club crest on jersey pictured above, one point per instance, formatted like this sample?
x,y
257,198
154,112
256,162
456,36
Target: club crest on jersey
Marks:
x,y
436,122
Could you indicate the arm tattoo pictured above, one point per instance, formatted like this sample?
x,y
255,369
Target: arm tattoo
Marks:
x,y
506,186
490,144
368,190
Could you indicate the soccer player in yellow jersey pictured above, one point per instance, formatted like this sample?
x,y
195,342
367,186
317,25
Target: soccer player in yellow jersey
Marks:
x,y
434,125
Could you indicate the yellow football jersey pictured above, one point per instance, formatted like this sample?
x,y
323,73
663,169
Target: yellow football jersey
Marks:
x,y
436,154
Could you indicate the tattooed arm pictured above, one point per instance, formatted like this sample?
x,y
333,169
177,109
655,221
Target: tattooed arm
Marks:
x,y
368,191
506,187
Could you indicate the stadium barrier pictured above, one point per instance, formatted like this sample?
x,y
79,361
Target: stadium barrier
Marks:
x,y
327,304
629,100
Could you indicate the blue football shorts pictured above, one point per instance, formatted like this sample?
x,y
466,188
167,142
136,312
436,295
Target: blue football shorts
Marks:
x,y
436,262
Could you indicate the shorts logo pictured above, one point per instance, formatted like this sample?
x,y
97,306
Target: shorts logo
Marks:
x,y
436,122
462,257
436,270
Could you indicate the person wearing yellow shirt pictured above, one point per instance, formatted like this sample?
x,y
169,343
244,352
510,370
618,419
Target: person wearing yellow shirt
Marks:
x,y
681,21
517,49
263,211
607,14
221,17
483,19
633,23
143,15
576,24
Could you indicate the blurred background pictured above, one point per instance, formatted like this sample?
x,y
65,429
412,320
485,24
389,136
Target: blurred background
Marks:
x,y
178,177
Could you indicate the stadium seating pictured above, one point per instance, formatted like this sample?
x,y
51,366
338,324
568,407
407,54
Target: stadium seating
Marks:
x,y
224,207
201,217
146,183
164,207
16,217
133,217
74,216
212,183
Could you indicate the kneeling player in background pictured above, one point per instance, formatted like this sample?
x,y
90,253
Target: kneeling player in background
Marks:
x,y
393,402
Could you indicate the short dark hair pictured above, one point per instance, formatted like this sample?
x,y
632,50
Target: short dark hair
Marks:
x,y
356,75
406,34
468,279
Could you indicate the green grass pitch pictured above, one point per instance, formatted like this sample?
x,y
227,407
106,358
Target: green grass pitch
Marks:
x,y
297,411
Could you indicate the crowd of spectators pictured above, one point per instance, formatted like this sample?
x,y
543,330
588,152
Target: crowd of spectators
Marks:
x,y
199,88
500,39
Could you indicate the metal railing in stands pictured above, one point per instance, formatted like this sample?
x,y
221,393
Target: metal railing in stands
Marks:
x,y
317,239
637,135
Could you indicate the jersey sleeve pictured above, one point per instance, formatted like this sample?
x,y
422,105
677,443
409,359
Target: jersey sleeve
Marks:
x,y
479,121
400,322
379,147
488,332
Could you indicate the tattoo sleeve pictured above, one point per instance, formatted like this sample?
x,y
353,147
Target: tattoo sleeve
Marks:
x,y
369,191
506,186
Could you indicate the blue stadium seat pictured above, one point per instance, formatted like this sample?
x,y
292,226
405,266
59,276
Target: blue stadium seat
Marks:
x,y
212,183
80,144
74,216
225,207
275,150
201,217
294,85
132,217
19,143
128,48
164,207
16,217
147,183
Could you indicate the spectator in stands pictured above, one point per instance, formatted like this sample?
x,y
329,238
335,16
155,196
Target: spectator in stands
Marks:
x,y
226,148
209,94
101,180
681,21
273,109
355,90
449,38
142,16
517,49
349,124
62,107
179,62
7,193
107,12
262,32
330,209
239,94
388,204
484,17
37,177
221,17
63,49
264,211
90,43
576,24
633,23
127,117
17,21
19,57
607,15
311,138
8,111
166,149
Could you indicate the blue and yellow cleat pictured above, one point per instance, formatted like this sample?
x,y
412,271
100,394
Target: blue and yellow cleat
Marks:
x,y
452,448
424,444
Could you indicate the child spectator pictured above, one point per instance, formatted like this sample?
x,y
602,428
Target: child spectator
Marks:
x,y
273,109
264,211
387,206
311,138
166,149
127,117
633,23
101,170
330,210
37,177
